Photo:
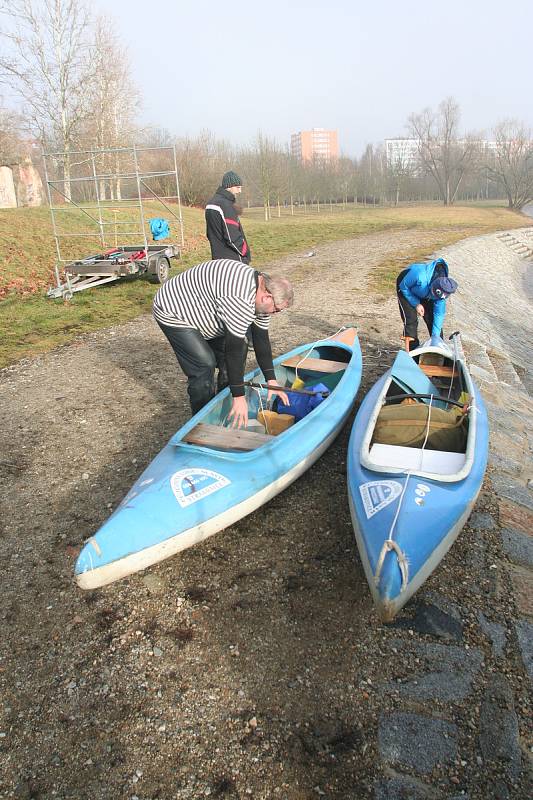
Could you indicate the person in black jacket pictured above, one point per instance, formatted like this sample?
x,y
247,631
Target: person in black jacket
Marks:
x,y
224,229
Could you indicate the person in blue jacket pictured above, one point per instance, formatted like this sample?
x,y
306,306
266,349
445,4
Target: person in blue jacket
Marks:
x,y
422,292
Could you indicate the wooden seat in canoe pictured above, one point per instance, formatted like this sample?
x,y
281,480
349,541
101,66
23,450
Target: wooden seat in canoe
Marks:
x,y
437,371
220,438
314,364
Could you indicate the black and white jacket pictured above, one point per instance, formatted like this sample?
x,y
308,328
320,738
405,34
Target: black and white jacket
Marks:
x,y
224,229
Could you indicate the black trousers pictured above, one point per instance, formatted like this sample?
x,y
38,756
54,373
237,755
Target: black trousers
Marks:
x,y
198,358
409,315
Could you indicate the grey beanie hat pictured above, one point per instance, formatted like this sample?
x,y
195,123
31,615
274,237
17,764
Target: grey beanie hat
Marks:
x,y
230,179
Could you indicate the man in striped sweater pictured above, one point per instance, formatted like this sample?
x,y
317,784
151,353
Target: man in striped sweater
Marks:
x,y
206,312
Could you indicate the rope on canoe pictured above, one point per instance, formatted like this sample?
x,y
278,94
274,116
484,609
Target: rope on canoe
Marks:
x,y
389,544
341,329
255,389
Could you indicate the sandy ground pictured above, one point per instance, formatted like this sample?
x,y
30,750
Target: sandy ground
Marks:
x,y
245,667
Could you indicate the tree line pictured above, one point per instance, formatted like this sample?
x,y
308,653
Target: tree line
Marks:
x,y
70,75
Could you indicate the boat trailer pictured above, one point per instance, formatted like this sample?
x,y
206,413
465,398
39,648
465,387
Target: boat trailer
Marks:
x,y
94,195
154,261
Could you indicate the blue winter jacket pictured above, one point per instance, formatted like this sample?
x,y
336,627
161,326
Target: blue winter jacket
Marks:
x,y
415,287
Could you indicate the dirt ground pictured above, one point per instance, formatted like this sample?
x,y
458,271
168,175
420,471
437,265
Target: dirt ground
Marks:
x,y
245,667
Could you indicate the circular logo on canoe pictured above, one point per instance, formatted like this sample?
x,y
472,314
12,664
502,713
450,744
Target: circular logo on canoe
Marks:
x,y
191,485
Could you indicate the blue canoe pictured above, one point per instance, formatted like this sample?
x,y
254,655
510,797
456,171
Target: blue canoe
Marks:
x,y
195,488
409,503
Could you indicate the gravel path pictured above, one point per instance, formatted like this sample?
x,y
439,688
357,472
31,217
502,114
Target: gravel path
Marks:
x,y
252,665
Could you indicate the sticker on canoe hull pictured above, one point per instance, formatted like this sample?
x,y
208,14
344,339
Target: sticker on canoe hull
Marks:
x,y
376,495
421,491
191,485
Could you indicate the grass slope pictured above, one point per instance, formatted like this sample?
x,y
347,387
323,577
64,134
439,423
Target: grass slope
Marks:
x,y
33,324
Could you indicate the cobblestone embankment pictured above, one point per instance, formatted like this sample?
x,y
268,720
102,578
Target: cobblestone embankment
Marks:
x,y
495,318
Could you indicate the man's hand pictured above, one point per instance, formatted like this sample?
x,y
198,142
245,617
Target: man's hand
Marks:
x,y
420,310
271,392
238,415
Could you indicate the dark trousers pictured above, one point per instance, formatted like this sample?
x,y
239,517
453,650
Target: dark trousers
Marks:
x,y
409,315
198,358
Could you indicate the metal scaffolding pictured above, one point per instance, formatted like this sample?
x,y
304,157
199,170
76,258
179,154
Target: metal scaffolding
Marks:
x,y
94,192
98,185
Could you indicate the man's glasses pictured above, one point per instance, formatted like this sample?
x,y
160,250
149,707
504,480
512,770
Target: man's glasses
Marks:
x,y
276,308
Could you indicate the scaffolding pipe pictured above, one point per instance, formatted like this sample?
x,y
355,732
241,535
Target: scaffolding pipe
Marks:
x,y
178,190
141,207
103,150
97,195
112,175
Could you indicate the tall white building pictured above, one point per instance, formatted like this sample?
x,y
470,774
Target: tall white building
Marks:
x,y
402,152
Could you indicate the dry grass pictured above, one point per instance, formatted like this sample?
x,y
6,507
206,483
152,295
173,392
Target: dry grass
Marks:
x,y
34,324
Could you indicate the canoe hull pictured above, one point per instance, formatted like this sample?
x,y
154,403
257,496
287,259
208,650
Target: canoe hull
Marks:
x,y
387,599
190,492
420,514
183,539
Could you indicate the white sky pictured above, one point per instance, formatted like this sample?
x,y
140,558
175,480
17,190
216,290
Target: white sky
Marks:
x,y
358,66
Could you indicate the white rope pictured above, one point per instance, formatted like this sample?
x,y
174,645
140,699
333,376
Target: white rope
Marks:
x,y
453,375
389,544
427,432
267,387
341,329
255,389
403,564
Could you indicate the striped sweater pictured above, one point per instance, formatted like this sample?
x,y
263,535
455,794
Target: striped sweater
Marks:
x,y
213,297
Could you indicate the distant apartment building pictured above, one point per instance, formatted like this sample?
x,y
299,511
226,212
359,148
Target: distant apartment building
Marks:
x,y
317,144
402,152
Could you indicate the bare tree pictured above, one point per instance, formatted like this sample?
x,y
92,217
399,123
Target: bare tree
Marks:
x,y
113,101
11,144
345,178
510,164
47,65
201,163
400,166
263,170
442,154
369,175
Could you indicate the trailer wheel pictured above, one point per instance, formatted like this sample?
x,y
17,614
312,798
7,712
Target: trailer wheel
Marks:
x,y
159,271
